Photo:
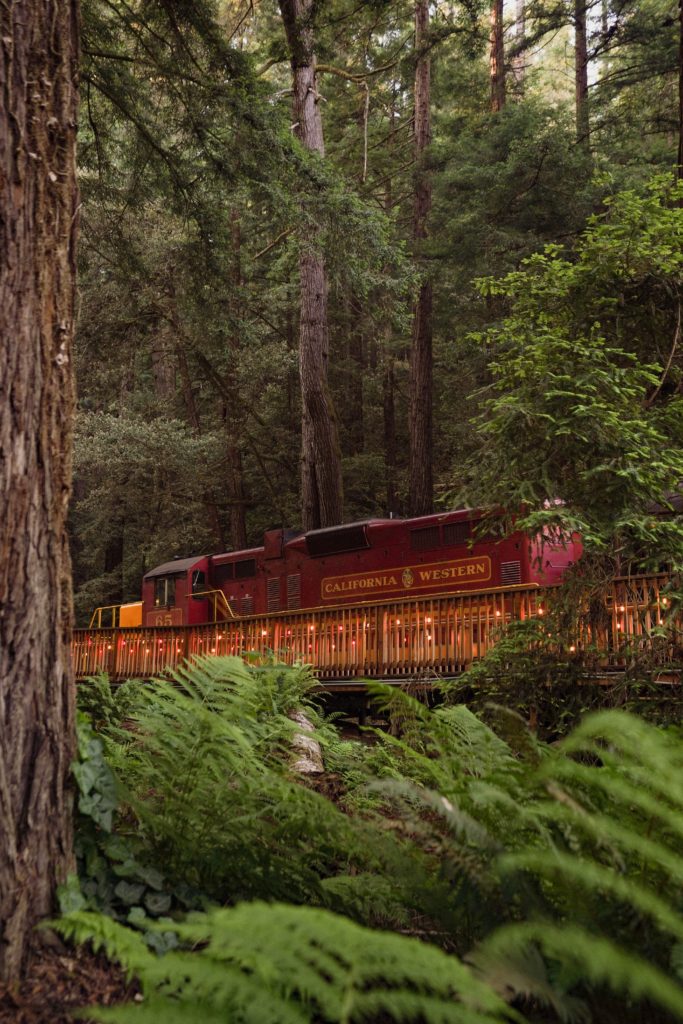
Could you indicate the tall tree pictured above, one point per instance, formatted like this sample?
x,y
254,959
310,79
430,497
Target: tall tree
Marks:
x,y
581,72
38,216
421,374
497,57
321,476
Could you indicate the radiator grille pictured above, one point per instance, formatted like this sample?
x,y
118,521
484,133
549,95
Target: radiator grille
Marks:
x,y
425,538
247,606
294,590
273,593
457,533
510,573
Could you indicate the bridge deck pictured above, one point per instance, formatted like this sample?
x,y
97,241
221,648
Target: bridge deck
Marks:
x,y
396,640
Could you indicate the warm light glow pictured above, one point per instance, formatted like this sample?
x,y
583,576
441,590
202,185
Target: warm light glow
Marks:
x,y
572,648
429,636
622,608
428,620
264,632
497,615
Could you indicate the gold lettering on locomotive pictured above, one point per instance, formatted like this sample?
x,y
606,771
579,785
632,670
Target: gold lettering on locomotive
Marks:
x,y
412,577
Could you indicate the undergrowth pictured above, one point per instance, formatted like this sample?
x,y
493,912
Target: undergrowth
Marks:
x,y
553,871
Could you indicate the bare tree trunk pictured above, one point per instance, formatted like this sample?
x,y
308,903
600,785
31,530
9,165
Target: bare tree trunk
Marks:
x,y
356,363
236,494
421,487
321,477
581,73
194,420
390,447
497,57
38,216
519,62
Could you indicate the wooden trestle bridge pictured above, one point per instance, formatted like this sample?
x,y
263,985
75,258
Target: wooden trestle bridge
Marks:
x,y
404,639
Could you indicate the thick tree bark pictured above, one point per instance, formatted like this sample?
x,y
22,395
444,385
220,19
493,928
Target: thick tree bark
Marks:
x,y
321,477
581,73
421,486
38,215
497,57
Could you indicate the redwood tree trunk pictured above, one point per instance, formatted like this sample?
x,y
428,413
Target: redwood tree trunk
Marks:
x,y
321,477
497,57
38,215
420,415
581,72
234,414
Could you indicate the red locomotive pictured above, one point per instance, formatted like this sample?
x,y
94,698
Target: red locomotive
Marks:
x,y
355,563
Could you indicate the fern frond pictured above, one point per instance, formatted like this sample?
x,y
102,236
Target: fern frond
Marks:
x,y
599,961
587,874
296,965
125,946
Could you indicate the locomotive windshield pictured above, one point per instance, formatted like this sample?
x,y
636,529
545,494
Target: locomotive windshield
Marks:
x,y
164,591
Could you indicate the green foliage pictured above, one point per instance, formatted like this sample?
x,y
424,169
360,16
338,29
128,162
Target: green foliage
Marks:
x,y
583,418
259,962
613,876
208,794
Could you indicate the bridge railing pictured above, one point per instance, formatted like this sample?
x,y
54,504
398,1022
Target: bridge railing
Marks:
x,y
394,639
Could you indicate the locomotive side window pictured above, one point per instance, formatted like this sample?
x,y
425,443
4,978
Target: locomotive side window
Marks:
x,y
198,582
245,569
337,540
223,573
164,591
425,538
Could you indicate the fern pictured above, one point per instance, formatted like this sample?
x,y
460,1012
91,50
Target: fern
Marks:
x,y
612,876
260,963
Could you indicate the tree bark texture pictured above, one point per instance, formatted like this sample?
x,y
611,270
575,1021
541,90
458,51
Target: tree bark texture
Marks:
x,y
519,61
421,486
38,217
237,501
321,476
497,57
581,73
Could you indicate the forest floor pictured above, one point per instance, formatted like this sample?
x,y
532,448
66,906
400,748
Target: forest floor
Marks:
x,y
60,981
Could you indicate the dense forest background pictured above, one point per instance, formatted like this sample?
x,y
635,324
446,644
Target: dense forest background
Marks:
x,y
460,140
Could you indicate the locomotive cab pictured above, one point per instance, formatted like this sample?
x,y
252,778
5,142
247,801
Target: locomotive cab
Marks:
x,y
176,593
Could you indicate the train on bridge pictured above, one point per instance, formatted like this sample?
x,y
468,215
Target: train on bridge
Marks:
x,y
355,563
382,598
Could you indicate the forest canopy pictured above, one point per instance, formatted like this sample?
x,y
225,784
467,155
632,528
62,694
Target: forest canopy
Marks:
x,y
491,207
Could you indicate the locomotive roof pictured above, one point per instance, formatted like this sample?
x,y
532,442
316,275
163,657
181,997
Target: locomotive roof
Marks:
x,y
176,567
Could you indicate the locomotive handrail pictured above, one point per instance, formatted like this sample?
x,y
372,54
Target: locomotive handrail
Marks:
x,y
97,614
219,598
